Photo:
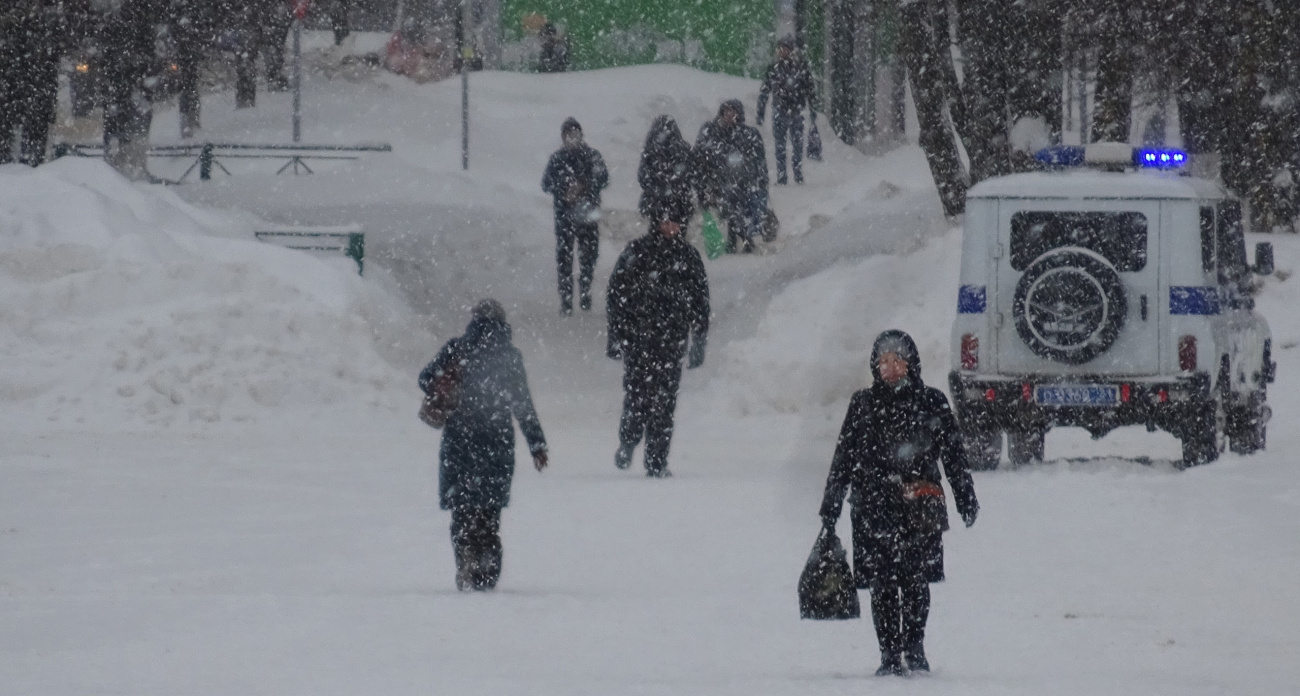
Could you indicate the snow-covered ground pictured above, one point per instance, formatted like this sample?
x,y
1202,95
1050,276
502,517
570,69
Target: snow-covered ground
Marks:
x,y
214,482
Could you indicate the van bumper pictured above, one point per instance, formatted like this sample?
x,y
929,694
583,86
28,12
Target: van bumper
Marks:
x,y
989,404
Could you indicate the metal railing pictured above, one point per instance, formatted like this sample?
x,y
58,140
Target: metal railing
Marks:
x,y
208,155
352,244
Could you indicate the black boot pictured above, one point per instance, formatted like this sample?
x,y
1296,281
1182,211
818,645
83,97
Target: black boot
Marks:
x,y
891,664
623,457
915,656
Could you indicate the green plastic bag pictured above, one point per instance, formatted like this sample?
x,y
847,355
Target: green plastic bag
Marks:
x,y
714,244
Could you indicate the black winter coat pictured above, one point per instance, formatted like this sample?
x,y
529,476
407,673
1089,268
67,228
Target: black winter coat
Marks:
x,y
730,157
477,460
581,167
790,83
892,436
666,174
658,296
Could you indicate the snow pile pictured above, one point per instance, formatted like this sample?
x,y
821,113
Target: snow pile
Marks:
x,y
812,348
124,306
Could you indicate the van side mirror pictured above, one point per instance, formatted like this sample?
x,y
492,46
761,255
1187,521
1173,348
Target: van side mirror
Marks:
x,y
1264,258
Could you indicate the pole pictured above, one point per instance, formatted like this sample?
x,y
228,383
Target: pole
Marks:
x,y
466,51
297,79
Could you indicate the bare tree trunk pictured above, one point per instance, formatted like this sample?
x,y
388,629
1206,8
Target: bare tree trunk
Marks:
x,y
983,28
917,47
1114,95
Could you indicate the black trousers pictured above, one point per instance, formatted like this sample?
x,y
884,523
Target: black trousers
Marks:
x,y
28,99
788,123
650,385
587,238
476,541
899,609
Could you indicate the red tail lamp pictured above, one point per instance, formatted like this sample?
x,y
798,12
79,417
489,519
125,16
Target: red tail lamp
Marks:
x,y
990,394
1187,353
1125,392
970,352
1027,391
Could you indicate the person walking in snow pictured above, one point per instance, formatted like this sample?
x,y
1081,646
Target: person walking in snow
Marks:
x,y
477,458
894,436
658,299
666,173
732,165
790,83
575,176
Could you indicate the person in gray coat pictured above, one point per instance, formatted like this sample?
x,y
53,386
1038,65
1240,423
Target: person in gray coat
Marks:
x,y
477,459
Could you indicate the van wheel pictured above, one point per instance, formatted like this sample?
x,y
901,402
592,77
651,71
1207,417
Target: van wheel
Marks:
x,y
1025,446
1203,438
983,449
1248,432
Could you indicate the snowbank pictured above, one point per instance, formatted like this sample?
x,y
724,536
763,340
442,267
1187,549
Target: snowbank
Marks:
x,y
127,307
812,348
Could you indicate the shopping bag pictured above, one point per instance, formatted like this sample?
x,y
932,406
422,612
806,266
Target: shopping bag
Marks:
x,y
714,243
826,586
814,143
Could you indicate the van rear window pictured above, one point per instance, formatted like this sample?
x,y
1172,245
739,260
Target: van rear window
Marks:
x,y
1120,237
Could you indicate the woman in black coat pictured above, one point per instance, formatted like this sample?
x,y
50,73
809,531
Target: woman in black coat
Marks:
x,y
889,451
666,174
478,443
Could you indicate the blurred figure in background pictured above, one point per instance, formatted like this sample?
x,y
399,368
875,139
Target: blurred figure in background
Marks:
x,y
575,176
790,83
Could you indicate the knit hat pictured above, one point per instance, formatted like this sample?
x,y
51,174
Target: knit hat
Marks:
x,y
570,124
490,309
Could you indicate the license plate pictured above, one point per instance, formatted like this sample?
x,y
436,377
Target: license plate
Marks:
x,y
1077,395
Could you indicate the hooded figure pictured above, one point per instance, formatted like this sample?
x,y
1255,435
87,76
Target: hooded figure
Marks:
x,y
575,176
893,439
666,174
477,459
658,299
731,163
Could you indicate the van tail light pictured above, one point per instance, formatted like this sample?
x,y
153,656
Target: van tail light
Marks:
x,y
1125,392
1187,353
970,352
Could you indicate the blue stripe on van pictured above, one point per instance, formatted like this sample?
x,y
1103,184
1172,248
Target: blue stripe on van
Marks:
x,y
971,299
1190,299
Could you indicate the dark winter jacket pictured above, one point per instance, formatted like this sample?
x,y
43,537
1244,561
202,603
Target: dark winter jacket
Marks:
x,y
790,83
575,177
894,436
658,296
478,442
666,174
730,156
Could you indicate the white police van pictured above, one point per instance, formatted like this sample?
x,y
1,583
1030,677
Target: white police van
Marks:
x,y
1108,290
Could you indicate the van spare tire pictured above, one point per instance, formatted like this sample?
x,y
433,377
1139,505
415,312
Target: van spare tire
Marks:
x,y
1070,305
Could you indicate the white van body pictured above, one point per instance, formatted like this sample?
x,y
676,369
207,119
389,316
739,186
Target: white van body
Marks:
x,y
1102,298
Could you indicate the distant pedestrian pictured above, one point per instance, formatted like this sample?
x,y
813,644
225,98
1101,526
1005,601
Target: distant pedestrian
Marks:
x,y
32,39
575,176
554,57
889,450
790,83
477,459
658,301
666,173
732,167
128,50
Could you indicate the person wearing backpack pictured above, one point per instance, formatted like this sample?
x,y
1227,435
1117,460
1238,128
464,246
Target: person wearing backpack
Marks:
x,y
894,436
477,457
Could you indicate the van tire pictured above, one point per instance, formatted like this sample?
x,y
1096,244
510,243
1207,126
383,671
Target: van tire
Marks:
x,y
983,449
1203,436
1248,431
1026,446
1070,270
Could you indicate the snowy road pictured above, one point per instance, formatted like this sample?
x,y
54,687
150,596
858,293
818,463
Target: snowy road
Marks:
x,y
300,551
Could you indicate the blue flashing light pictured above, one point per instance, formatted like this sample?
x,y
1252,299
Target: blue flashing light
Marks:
x,y
1061,156
1159,158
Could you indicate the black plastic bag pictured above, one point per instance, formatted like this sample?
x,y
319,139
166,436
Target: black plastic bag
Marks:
x,y
826,586
814,143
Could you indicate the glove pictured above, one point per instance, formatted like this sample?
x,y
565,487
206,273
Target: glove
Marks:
x,y
697,355
540,460
614,349
968,515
